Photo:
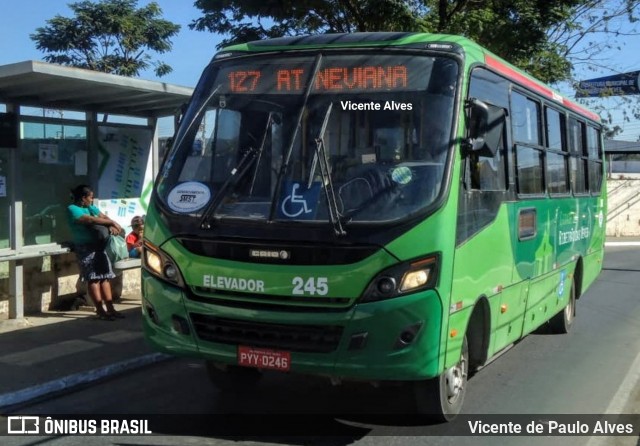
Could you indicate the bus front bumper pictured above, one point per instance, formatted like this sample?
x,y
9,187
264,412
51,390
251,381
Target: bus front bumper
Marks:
x,y
395,339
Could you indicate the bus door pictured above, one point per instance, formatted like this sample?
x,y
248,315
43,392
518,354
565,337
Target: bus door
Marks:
x,y
484,218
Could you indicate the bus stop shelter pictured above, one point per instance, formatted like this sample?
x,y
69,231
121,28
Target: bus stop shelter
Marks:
x,y
623,157
59,127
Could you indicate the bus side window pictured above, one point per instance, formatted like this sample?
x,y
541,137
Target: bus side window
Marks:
x,y
488,174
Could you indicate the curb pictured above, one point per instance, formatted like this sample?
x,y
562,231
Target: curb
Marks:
x,y
634,243
78,379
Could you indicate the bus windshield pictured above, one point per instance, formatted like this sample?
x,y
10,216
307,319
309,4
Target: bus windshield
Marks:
x,y
345,138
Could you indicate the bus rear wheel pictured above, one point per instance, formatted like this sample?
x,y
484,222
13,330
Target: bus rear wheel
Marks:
x,y
232,377
561,323
441,398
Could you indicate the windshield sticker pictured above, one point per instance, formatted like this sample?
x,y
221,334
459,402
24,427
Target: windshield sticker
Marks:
x,y
401,175
188,197
298,201
368,158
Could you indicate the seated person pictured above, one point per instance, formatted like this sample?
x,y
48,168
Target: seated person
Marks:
x,y
134,238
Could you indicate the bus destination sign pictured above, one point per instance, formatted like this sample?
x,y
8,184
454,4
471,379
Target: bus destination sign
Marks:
x,y
338,79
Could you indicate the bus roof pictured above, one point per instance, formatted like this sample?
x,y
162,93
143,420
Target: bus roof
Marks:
x,y
383,39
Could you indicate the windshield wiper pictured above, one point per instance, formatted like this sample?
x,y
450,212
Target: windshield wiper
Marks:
x,y
261,150
320,157
235,175
287,155
178,142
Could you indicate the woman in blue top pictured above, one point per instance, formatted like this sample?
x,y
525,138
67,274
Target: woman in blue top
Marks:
x,y
95,266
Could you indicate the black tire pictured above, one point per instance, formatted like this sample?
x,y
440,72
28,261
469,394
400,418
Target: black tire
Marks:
x,y
561,323
232,377
441,398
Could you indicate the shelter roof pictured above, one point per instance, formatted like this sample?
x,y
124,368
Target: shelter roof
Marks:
x,y
41,84
613,146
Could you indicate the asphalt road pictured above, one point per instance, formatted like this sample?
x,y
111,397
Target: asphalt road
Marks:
x,y
591,370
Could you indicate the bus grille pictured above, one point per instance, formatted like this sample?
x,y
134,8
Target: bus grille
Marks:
x,y
296,338
252,300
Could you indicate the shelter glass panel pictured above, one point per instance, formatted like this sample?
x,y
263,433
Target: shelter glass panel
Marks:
x,y
54,160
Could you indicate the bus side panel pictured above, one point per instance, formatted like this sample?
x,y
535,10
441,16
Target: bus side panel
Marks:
x,y
580,234
548,295
592,266
483,266
536,258
594,259
437,234
509,316
566,230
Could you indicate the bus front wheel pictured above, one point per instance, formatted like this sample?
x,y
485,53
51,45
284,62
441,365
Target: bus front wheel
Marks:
x,y
232,377
561,323
441,398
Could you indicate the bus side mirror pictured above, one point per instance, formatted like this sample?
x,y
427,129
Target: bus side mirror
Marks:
x,y
485,123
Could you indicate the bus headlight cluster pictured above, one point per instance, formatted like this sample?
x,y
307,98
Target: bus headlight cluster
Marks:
x,y
414,279
405,278
161,265
153,261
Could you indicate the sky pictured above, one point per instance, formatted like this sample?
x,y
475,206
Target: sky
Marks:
x,y
192,50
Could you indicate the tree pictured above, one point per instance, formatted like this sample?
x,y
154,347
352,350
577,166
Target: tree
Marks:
x,y
111,36
535,35
555,41
597,30
516,30
245,20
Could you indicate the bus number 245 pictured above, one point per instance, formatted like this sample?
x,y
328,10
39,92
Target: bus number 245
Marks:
x,y
312,286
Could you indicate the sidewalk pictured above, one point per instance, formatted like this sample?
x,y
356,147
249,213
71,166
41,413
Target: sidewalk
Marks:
x,y
54,351
622,241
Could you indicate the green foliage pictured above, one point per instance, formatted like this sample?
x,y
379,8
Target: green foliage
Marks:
x,y
111,36
246,20
536,35
516,30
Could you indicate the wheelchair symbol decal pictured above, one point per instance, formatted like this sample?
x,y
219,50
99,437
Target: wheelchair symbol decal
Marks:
x,y
299,202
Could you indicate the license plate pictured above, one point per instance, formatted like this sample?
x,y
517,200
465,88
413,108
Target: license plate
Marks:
x,y
263,358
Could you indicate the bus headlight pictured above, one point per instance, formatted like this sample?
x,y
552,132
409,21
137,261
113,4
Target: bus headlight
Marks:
x,y
415,279
404,278
158,263
153,261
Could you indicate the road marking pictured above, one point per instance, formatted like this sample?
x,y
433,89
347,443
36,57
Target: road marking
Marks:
x,y
626,389
618,405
